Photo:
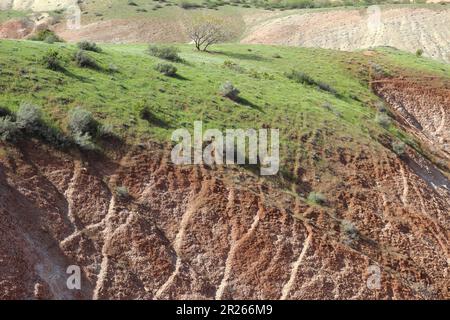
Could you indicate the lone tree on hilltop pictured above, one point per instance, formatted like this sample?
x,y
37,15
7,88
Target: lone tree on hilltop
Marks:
x,y
206,30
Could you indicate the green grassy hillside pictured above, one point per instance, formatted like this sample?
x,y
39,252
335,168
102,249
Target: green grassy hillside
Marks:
x,y
6,15
126,82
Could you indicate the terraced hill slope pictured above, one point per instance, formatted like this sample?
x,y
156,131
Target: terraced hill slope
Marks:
x,y
224,231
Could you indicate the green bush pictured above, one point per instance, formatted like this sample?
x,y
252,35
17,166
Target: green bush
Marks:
x,y
166,69
349,232
106,131
399,147
83,127
317,197
112,68
89,46
381,107
8,129
44,34
29,117
233,66
419,52
52,60
383,120
303,78
378,70
189,5
300,77
122,192
84,140
229,91
81,122
82,59
164,52
28,121
51,39
326,87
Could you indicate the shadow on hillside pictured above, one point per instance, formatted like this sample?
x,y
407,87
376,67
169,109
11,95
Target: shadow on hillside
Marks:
x,y
73,75
247,103
241,56
155,120
180,77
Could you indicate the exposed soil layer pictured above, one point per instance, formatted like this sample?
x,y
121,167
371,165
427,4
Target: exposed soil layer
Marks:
x,y
407,29
217,233
121,30
16,29
423,106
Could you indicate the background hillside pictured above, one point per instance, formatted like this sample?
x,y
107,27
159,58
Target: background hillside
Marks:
x,y
335,25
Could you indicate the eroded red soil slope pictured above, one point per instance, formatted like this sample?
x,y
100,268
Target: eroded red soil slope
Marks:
x,y
423,106
196,232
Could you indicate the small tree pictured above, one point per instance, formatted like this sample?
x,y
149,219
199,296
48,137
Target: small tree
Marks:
x,y
205,31
419,52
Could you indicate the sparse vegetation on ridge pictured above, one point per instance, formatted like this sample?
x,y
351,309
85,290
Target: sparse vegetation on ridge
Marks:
x,y
89,46
117,97
164,52
46,35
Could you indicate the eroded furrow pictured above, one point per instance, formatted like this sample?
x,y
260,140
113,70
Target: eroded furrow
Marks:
x,y
194,204
288,286
70,192
235,246
107,232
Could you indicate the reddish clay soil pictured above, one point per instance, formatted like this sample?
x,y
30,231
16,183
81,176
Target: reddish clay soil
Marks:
x,y
121,30
15,29
205,233
423,106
